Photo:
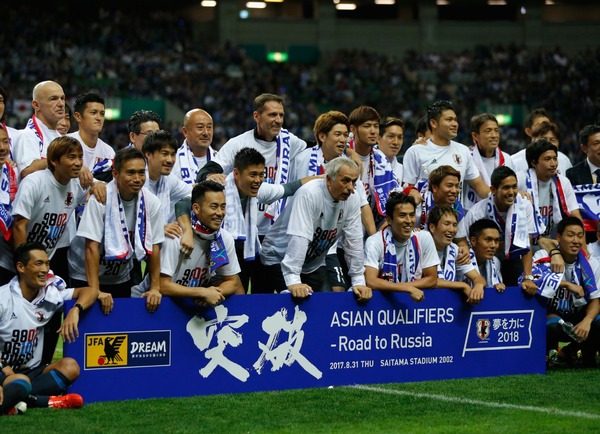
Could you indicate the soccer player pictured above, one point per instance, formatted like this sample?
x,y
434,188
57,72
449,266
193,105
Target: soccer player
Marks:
x,y
111,236
484,237
573,295
27,303
443,225
514,216
160,148
552,195
441,149
210,273
391,254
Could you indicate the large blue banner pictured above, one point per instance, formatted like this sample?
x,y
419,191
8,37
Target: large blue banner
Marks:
x,y
270,342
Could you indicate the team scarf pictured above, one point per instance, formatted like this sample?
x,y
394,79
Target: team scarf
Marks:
x,y
447,268
516,235
217,253
412,254
54,286
102,165
188,166
33,125
559,204
588,198
281,173
471,197
8,190
427,203
384,180
117,245
316,161
241,225
492,277
548,282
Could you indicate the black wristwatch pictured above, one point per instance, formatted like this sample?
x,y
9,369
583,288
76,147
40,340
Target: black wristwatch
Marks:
x,y
80,307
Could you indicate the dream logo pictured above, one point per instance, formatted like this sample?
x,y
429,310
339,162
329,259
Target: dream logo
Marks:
x,y
128,349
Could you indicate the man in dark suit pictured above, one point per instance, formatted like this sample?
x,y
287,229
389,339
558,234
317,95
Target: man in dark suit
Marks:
x,y
584,172
588,170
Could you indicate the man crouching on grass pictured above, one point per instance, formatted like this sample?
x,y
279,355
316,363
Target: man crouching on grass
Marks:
x,y
27,303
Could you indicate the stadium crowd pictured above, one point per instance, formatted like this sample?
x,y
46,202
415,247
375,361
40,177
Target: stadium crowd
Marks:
x,y
229,204
145,55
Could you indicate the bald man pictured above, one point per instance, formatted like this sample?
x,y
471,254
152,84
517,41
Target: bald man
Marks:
x,y
195,151
30,147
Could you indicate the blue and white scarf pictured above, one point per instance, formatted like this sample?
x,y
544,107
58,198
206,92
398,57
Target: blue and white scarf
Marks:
x,y
188,166
588,199
384,180
117,245
281,174
447,269
516,234
548,282
412,254
559,204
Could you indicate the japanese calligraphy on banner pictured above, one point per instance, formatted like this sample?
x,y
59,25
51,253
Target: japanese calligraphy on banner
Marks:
x,y
270,342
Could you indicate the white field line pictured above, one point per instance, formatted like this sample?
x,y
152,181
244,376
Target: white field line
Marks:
x,y
545,410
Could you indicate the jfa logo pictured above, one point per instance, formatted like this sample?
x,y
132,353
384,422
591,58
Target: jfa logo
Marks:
x,y
106,351
483,328
457,159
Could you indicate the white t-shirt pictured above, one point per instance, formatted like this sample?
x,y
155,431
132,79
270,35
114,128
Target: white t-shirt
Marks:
x,y
490,163
374,253
316,217
420,160
91,226
169,189
194,271
479,211
248,139
47,205
27,146
91,156
520,163
22,322
546,200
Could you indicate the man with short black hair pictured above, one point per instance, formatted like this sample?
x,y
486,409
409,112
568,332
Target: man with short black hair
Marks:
x,y
484,237
573,296
552,194
514,216
27,303
210,274
112,239
391,254
441,149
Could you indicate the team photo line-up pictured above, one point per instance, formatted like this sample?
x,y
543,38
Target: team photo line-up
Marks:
x,y
269,212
